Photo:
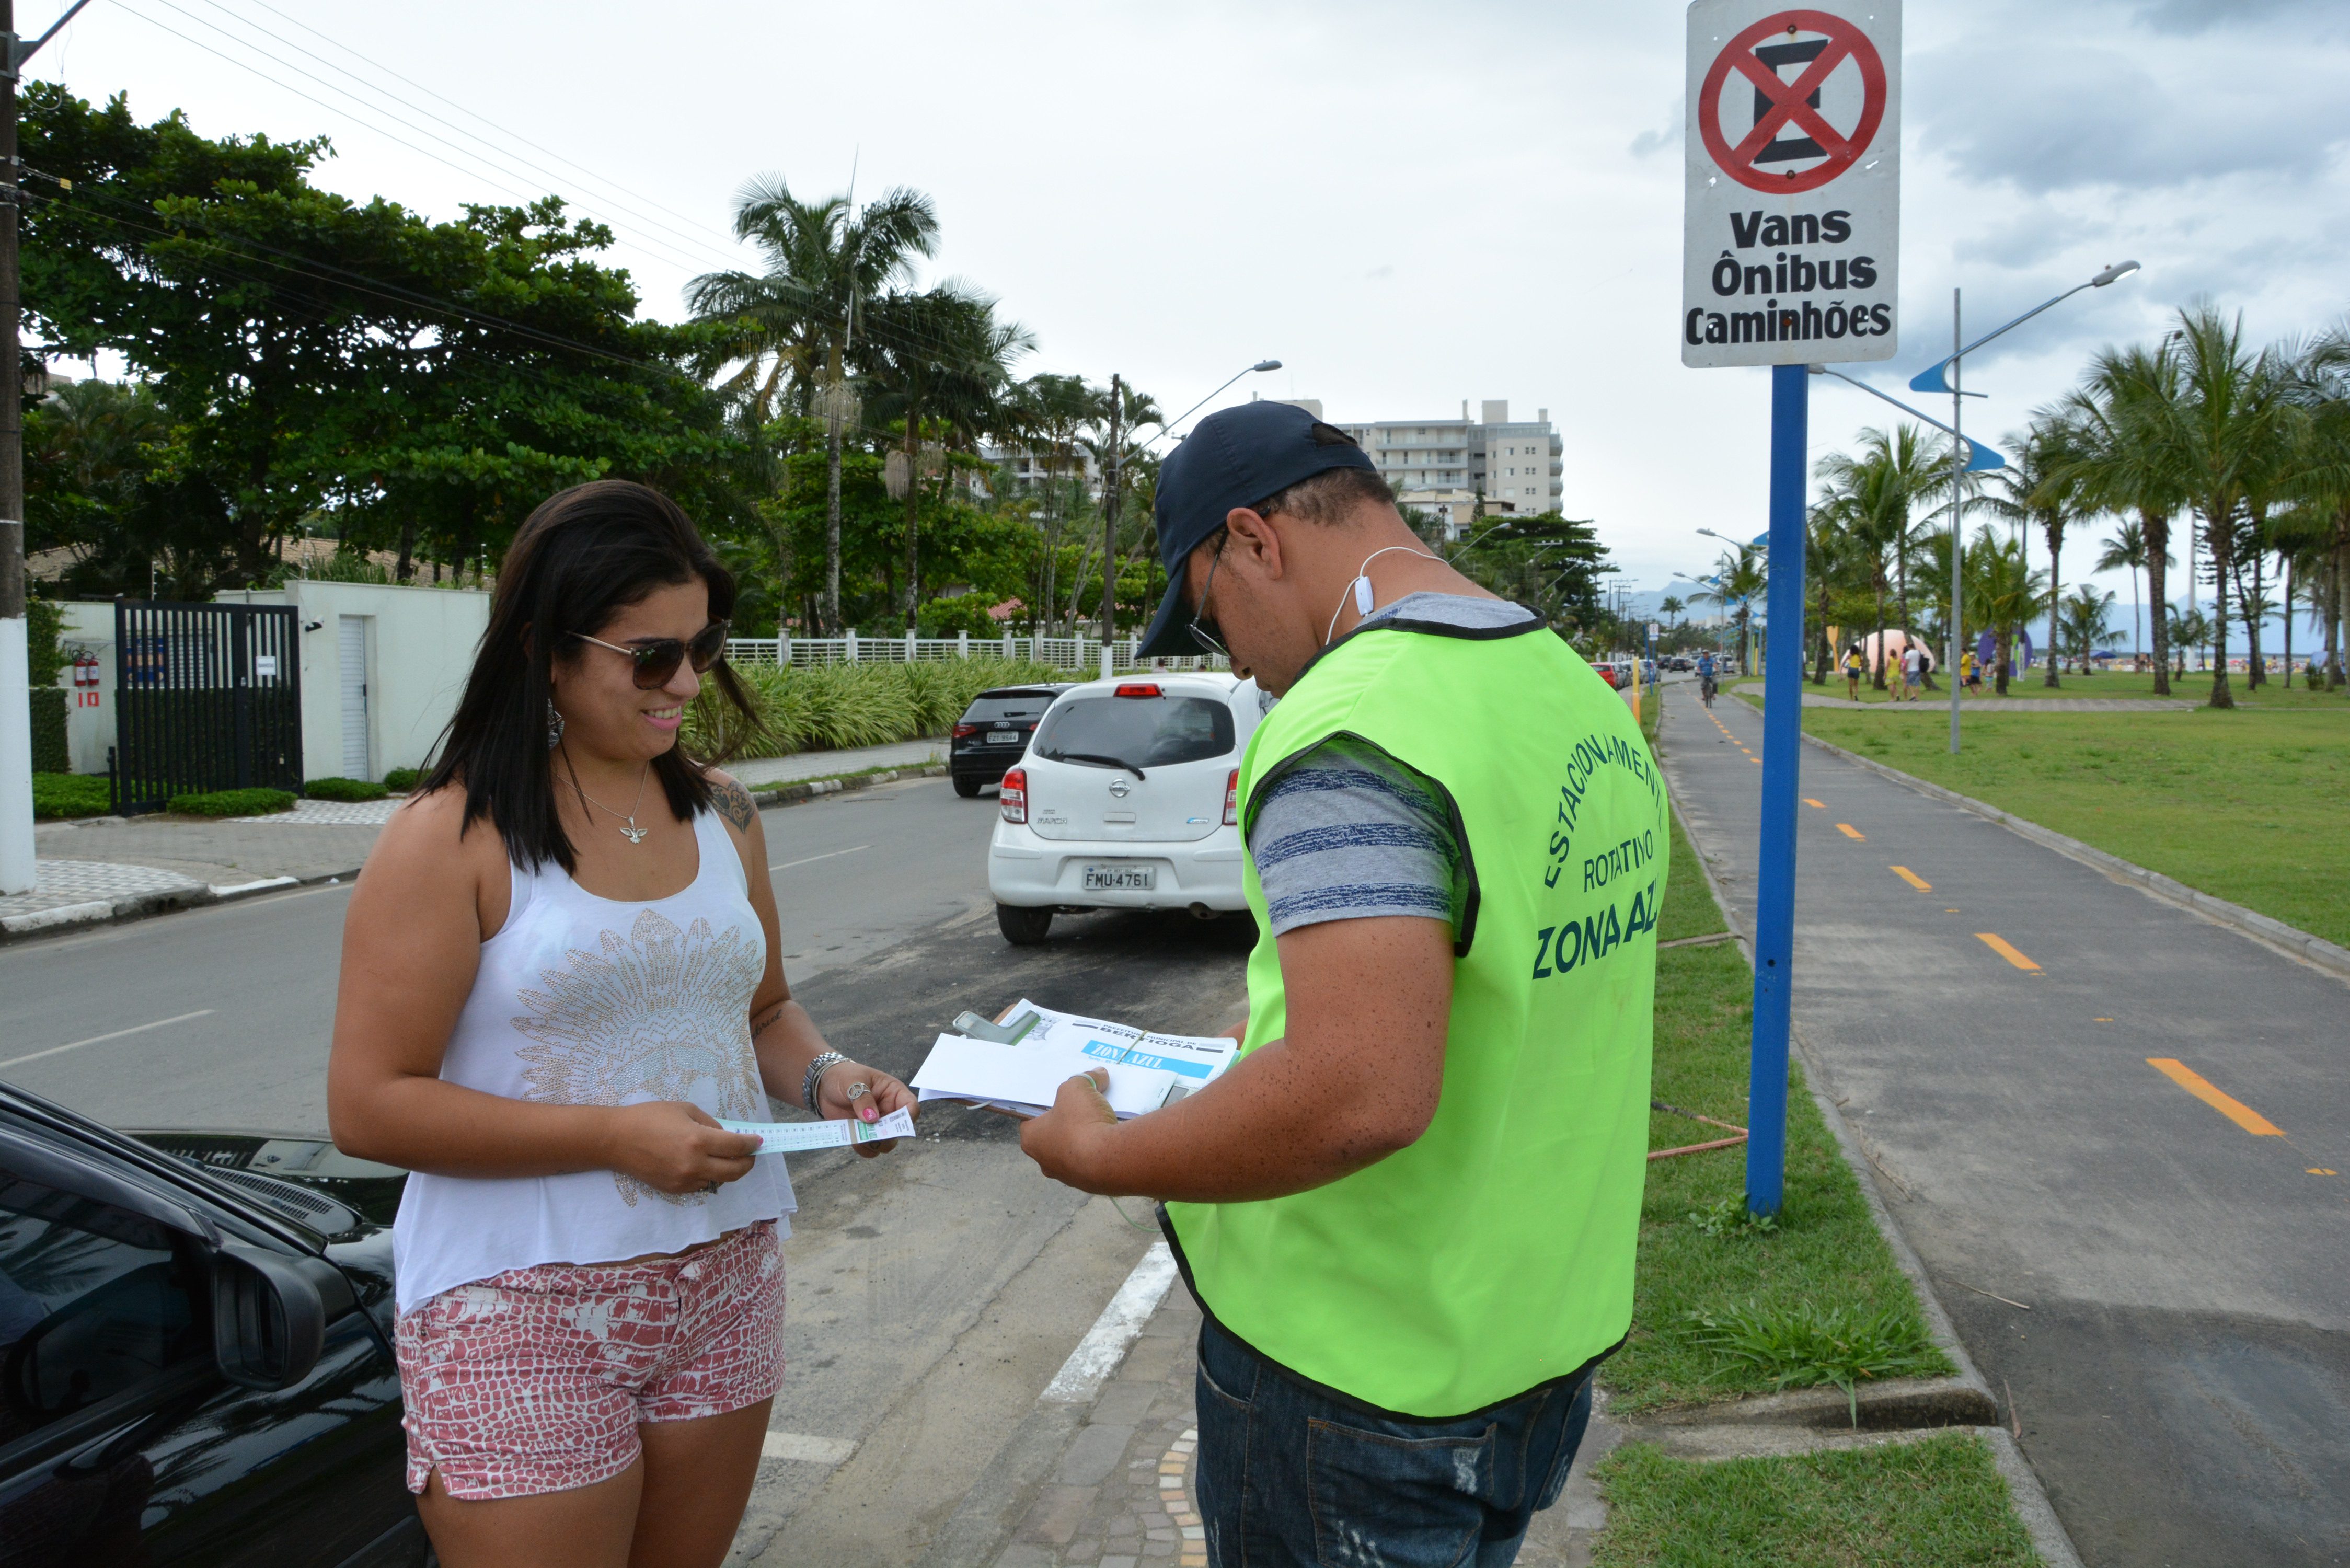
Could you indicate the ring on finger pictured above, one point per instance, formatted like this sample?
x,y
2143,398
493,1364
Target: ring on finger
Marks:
x,y
857,1092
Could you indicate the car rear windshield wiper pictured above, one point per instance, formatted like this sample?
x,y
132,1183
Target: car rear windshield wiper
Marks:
x,y
1095,757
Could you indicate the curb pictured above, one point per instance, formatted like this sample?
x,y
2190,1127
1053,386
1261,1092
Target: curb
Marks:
x,y
1969,1391
2291,940
140,906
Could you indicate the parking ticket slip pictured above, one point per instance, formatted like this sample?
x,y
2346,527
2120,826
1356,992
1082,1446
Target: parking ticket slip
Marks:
x,y
794,1137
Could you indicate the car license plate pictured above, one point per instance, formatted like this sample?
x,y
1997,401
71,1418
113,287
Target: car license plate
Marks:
x,y
1004,737
1121,878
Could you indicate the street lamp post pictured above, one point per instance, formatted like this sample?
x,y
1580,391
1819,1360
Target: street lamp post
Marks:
x,y
1933,381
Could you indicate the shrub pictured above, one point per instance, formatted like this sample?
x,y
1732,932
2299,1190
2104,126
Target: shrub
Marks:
x,y
400,780
1806,1346
830,707
51,753
59,796
235,802
965,613
343,789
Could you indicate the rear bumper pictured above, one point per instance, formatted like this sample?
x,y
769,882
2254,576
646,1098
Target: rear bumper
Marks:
x,y
987,764
1029,872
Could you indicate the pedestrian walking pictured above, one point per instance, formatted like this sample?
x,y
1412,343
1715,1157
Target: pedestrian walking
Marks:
x,y
559,969
1410,1208
1854,669
1913,672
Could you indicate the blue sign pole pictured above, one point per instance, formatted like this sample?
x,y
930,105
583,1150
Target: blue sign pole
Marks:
x,y
1783,723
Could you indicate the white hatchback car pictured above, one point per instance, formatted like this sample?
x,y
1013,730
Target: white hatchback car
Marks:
x,y
1127,799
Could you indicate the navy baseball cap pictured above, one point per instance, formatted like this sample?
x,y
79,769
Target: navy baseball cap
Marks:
x,y
1234,457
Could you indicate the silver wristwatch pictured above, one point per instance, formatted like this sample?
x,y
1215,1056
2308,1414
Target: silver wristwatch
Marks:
x,y
825,1062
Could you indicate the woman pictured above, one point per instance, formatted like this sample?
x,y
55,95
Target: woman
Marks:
x,y
559,969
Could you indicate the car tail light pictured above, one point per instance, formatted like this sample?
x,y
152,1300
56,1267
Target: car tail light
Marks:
x,y
1015,795
1138,689
964,731
1233,799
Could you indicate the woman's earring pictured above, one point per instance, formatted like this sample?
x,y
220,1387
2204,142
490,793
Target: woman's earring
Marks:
x,y
554,726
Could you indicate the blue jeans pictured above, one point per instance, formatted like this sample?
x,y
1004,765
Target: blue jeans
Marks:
x,y
1289,1477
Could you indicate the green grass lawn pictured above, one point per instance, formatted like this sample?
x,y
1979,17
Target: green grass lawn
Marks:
x,y
1696,1257
1936,1503
2245,806
2195,686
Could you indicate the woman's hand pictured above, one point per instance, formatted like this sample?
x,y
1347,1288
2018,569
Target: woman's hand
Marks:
x,y
676,1147
851,1089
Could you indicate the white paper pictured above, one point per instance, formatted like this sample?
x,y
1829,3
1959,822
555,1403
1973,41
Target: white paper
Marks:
x,y
1146,1070
792,1137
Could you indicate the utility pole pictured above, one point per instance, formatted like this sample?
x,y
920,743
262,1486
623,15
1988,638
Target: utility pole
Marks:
x,y
17,869
1109,522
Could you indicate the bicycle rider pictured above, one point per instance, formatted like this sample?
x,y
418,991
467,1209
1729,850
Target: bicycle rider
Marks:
x,y
1705,687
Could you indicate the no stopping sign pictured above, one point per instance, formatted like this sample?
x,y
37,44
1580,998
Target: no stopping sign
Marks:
x,y
1792,146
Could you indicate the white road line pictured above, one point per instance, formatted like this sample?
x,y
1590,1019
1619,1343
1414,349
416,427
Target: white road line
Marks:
x,y
1104,1345
101,1039
807,1449
814,859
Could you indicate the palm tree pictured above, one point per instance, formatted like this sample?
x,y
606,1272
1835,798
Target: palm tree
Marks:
x,y
2003,593
2081,618
924,353
2231,433
2322,479
1047,414
2043,485
1869,501
1904,466
2127,548
2127,413
1670,607
1740,578
798,320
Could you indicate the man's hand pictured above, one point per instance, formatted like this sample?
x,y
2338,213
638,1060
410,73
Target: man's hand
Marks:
x,y
1061,1139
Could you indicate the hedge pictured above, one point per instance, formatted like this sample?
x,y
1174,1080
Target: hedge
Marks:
x,y
343,789
835,707
235,802
60,795
400,780
51,753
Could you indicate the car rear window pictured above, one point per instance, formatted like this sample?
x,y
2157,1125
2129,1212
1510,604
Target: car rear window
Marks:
x,y
1007,705
1136,732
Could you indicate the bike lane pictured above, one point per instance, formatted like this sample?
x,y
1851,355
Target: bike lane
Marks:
x,y
2130,1124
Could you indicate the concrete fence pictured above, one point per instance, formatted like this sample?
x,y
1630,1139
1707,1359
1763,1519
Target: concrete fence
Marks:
x,y
1061,652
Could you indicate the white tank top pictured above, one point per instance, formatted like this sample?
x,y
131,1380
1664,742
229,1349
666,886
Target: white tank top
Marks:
x,y
582,1001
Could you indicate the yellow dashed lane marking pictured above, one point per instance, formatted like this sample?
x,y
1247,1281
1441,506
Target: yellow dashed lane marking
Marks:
x,y
1821,805
1912,877
2195,1084
2001,946
1850,831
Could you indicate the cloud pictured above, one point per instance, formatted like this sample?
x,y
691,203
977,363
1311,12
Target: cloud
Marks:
x,y
1675,127
2060,118
2192,16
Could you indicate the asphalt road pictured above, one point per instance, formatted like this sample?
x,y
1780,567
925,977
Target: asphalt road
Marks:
x,y
935,1289
2181,1376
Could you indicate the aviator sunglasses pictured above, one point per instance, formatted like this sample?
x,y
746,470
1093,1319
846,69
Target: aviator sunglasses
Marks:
x,y
657,657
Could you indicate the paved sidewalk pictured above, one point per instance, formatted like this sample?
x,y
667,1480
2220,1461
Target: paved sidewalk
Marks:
x,y
135,865
1124,1493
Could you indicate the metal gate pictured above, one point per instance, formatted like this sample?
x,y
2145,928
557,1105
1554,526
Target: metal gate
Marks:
x,y
208,697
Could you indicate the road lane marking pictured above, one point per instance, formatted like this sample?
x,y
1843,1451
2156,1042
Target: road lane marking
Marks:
x,y
102,1039
1105,1345
1850,831
2321,1170
805,1449
2001,946
1755,760
1819,803
2195,1084
1912,877
814,859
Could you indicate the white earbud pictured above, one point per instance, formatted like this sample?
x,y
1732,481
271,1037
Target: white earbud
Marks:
x,y
1362,596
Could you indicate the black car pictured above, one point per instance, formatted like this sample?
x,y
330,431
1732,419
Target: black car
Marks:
x,y
993,733
195,1355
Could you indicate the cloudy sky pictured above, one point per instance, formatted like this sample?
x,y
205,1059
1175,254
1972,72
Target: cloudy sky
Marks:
x,y
1408,206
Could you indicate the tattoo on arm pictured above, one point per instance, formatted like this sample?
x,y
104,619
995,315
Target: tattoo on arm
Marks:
x,y
734,804
767,1019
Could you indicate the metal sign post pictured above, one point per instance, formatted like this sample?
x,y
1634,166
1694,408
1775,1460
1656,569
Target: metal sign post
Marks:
x,y
1790,255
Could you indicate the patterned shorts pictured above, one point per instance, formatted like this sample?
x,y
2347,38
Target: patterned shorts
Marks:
x,y
536,1380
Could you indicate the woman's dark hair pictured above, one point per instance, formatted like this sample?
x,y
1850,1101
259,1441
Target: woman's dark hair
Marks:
x,y
583,556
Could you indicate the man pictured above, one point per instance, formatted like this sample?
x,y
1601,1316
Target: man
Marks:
x,y
1913,670
1411,1206
1705,677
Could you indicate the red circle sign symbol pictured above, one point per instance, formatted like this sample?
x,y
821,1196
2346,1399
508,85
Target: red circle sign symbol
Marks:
x,y
1785,105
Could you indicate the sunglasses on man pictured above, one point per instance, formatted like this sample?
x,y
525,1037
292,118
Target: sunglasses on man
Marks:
x,y
657,657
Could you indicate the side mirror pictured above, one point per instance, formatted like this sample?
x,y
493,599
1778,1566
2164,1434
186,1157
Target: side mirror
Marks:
x,y
269,1319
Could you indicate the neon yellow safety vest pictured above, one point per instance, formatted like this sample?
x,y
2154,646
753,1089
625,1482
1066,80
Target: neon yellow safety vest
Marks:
x,y
1495,1254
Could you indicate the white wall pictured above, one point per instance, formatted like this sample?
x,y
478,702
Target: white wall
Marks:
x,y
90,712
421,646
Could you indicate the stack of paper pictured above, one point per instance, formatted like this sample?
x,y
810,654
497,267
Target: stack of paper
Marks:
x,y
1023,1076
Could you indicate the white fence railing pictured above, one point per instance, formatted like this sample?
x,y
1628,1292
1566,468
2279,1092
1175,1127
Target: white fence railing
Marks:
x,y
1072,653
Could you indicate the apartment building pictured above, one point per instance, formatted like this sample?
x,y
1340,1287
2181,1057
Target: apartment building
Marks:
x,y
1444,466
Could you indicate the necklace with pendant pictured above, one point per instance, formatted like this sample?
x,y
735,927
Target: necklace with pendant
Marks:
x,y
631,832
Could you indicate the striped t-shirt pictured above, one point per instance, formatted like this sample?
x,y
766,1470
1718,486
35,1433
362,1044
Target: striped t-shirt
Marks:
x,y
1348,832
